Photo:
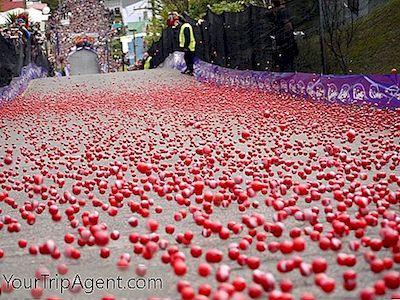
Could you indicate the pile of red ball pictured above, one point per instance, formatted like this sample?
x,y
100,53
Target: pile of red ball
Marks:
x,y
224,193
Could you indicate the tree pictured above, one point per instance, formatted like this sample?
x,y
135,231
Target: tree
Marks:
x,y
226,6
53,4
11,18
196,9
340,28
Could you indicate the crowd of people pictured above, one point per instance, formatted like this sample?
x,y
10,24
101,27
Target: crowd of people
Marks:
x,y
77,19
77,24
21,30
11,33
21,43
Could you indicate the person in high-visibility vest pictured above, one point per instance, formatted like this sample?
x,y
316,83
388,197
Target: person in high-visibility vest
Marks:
x,y
147,61
187,43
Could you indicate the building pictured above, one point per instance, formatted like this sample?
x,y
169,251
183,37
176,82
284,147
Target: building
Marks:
x,y
7,5
135,15
136,12
38,12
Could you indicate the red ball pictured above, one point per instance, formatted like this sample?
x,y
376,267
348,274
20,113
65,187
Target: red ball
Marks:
x,y
152,225
37,293
319,265
204,269
239,284
328,285
69,238
307,296
299,244
180,267
101,237
205,289
255,291
22,243
196,251
349,275
104,252
253,262
187,293
380,287
286,247
170,229
286,285
62,269
392,279
367,294
214,256
377,265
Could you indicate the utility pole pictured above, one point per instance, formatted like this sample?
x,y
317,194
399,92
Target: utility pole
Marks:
x,y
107,56
322,36
134,45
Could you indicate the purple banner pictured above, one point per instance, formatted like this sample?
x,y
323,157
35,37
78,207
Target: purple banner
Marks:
x,y
19,84
381,91
175,61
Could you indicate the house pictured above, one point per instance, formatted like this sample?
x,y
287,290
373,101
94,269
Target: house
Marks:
x,y
135,16
38,12
136,12
7,5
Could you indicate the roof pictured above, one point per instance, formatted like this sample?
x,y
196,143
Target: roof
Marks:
x,y
37,5
137,26
116,25
125,3
6,5
120,3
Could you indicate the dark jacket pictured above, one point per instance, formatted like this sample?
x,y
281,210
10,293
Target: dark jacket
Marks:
x,y
186,32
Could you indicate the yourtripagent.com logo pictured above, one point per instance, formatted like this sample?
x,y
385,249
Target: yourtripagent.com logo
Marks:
x,y
78,282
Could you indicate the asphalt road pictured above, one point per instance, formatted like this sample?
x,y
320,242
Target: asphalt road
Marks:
x,y
77,129
84,62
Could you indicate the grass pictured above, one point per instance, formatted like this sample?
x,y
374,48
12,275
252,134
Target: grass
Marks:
x,y
377,43
376,46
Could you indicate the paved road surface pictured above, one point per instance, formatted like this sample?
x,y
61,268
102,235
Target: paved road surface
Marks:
x,y
81,130
84,62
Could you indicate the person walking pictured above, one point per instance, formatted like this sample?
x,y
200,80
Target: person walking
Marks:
x,y
187,43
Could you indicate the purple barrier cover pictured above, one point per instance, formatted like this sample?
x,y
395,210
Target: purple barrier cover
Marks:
x,y
381,91
19,84
175,61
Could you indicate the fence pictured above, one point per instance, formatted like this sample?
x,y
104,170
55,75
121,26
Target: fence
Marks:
x,y
21,60
379,91
254,39
16,54
248,40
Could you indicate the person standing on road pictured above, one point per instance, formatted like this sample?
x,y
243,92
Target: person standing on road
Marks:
x,y
148,61
187,43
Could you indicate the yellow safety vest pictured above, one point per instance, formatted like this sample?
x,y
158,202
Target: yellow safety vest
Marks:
x,y
147,63
192,44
